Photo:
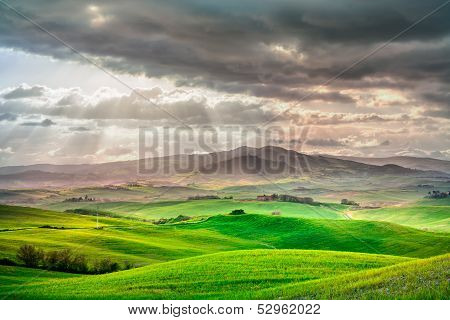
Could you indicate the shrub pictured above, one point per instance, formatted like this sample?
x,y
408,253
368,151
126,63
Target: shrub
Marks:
x,y
79,264
51,260
105,265
30,255
65,261
7,262
349,202
60,260
128,265
237,212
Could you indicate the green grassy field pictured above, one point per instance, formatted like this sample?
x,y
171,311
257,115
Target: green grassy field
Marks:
x,y
341,235
433,216
121,239
145,243
170,209
419,279
14,217
16,276
247,256
230,275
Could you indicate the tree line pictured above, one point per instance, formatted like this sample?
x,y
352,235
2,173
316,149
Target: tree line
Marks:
x,y
66,260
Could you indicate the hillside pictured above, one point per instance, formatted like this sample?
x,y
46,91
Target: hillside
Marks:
x,y
231,275
119,239
415,280
404,161
223,257
339,235
144,243
429,217
194,208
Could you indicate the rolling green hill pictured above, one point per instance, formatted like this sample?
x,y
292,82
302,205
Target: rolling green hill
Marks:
x,y
430,217
229,275
247,256
14,217
144,243
120,239
418,279
321,234
12,276
170,209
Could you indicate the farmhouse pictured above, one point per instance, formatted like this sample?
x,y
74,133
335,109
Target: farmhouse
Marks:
x,y
266,198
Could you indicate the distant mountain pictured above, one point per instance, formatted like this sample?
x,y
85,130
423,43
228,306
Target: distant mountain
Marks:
x,y
425,164
241,163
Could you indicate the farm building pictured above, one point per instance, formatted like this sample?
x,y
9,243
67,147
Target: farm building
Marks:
x,y
266,198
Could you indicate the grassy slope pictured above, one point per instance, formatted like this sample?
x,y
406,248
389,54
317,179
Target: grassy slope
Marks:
x,y
143,243
169,209
419,279
341,235
249,271
13,217
433,216
230,275
11,276
123,240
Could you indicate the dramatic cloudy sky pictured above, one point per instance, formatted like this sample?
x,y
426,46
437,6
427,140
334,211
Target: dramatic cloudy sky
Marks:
x,y
203,62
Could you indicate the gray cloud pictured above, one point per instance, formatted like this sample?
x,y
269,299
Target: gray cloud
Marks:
x,y
324,118
116,151
440,112
8,117
79,129
24,92
438,103
190,110
275,48
43,123
324,143
279,51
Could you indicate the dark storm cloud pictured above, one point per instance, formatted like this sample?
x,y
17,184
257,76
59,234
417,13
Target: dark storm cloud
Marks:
x,y
438,103
265,48
441,98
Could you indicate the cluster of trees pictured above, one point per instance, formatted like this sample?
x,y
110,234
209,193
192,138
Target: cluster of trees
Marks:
x,y
79,199
65,261
286,198
207,197
349,202
237,212
179,218
436,194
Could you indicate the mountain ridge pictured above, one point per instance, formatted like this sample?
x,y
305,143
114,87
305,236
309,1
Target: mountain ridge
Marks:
x,y
244,161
